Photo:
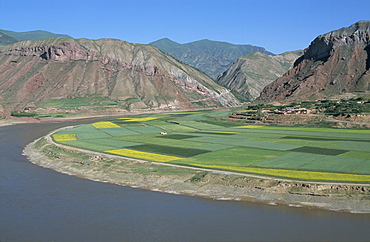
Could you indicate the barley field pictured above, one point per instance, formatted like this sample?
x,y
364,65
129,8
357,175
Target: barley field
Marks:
x,y
192,139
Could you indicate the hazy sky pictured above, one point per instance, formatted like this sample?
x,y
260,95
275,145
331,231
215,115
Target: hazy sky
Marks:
x,y
277,25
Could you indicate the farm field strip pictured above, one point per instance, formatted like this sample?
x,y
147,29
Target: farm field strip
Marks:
x,y
138,119
290,152
334,163
82,144
144,129
321,130
113,143
312,138
245,143
105,125
175,128
118,132
234,156
356,154
293,174
155,139
169,150
344,135
64,137
292,160
143,155
354,145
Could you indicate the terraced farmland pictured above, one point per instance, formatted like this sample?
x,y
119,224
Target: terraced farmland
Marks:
x,y
190,139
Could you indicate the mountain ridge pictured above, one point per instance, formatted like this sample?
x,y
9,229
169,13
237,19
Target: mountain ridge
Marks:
x,y
32,35
249,74
335,63
6,39
211,57
34,72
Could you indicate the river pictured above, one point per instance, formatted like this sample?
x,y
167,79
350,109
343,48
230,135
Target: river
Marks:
x,y
39,204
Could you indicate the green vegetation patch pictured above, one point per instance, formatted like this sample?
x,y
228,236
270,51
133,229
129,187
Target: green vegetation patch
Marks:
x,y
115,144
320,151
245,143
320,130
116,132
200,125
169,150
172,127
157,139
79,129
237,156
355,146
144,129
177,136
221,123
218,132
344,135
333,164
363,168
85,132
356,154
92,135
214,147
321,138
87,145
301,142
291,160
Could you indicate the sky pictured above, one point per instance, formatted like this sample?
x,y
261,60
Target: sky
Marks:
x,y
276,25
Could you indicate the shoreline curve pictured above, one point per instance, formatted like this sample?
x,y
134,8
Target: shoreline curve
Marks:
x,y
206,183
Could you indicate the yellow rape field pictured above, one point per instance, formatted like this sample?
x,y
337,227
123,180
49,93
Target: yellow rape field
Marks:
x,y
293,174
249,127
139,119
143,155
104,125
64,137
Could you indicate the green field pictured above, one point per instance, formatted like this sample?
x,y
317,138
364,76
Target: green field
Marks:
x,y
193,139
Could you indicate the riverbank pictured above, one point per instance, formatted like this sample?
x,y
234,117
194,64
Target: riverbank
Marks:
x,y
196,182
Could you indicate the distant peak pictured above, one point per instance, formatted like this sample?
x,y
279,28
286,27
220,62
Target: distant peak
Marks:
x,y
163,40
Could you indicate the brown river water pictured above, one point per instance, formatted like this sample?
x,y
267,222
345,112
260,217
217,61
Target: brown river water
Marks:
x,y
39,204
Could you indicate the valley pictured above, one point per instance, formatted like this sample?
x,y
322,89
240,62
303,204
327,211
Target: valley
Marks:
x,y
174,129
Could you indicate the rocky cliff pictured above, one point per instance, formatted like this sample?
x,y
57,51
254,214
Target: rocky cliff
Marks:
x,y
334,64
248,75
211,57
32,73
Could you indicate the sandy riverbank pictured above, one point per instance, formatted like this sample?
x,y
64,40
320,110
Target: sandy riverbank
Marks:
x,y
197,182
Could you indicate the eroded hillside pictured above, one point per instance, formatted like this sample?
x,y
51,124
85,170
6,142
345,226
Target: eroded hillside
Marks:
x,y
35,73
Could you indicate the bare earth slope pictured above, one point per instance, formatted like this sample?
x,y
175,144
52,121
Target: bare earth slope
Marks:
x,y
35,72
248,75
335,63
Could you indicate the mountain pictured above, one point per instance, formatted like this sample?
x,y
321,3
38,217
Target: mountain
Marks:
x,y
35,74
6,39
334,64
31,35
211,57
249,74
